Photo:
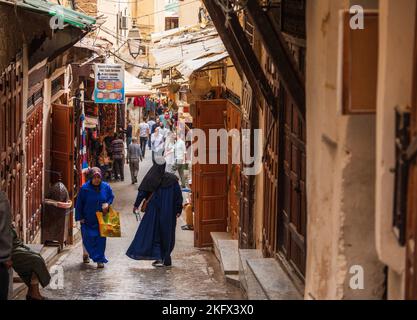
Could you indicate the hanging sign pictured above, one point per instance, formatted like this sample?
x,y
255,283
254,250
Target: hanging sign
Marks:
x,y
109,83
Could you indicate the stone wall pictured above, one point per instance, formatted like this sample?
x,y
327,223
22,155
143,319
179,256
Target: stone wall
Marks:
x,y
340,173
88,7
10,37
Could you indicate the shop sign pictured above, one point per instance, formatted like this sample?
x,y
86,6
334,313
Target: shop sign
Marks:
x,y
109,86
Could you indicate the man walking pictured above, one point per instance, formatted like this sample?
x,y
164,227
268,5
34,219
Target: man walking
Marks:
x,y
144,132
134,155
151,123
180,154
118,148
158,145
6,242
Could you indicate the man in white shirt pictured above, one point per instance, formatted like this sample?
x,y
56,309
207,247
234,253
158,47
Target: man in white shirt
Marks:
x,y
158,145
151,123
144,132
180,155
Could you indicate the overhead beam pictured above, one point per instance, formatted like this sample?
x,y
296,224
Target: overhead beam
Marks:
x,y
241,53
280,55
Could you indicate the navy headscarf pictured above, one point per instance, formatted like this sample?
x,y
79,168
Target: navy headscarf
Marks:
x,y
157,177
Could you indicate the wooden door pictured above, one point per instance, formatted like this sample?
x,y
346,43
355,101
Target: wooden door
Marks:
x,y
249,121
209,180
11,142
233,173
34,170
285,159
292,207
411,223
62,149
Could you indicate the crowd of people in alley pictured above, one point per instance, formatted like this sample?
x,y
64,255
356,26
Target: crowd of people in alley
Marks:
x,y
158,134
159,198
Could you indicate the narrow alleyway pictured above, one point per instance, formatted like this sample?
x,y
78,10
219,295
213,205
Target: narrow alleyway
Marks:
x,y
195,273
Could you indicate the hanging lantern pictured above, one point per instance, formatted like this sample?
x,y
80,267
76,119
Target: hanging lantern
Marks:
x,y
134,41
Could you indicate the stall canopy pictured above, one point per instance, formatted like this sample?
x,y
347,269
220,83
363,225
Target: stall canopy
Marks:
x,y
135,87
187,49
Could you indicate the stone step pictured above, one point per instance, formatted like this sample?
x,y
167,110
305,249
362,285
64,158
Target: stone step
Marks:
x,y
47,253
249,284
233,279
229,256
216,236
273,280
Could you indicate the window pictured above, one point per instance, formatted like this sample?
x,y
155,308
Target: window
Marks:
x,y
171,23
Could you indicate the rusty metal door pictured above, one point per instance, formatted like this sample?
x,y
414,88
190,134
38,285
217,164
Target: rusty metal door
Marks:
x,y
11,146
34,170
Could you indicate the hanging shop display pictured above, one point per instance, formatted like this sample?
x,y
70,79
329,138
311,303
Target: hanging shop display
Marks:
x,y
109,83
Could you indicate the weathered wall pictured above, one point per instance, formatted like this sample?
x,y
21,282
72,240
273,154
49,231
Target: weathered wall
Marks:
x,y
10,37
188,12
340,173
88,7
233,81
397,20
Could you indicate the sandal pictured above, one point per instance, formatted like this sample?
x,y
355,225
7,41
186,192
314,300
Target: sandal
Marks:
x,y
100,265
86,259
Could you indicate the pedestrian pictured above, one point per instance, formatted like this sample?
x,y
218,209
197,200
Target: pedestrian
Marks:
x,y
180,156
30,266
94,196
169,153
128,132
144,132
151,123
6,242
158,144
118,153
134,155
155,237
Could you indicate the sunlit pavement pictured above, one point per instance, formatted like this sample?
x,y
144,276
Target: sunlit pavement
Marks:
x,y
195,273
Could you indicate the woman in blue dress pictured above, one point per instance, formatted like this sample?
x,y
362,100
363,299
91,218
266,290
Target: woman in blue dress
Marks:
x,y
95,195
155,237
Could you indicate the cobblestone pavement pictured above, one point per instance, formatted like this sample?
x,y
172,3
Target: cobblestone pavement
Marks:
x,y
195,273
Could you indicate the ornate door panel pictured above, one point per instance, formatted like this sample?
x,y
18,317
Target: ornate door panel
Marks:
x,y
249,121
285,220
34,169
270,185
11,146
292,214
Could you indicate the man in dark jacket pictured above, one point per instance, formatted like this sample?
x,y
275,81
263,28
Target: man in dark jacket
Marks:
x,y
6,243
118,154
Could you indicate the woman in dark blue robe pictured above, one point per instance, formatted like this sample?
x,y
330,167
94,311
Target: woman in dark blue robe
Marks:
x,y
155,237
92,196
